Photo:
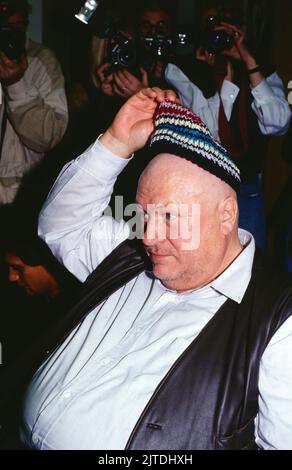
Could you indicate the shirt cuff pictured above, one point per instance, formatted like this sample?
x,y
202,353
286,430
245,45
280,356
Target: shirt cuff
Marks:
x,y
229,91
262,92
98,160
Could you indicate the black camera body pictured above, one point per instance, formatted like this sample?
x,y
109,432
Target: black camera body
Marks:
x,y
126,53
12,41
121,53
158,46
216,41
164,47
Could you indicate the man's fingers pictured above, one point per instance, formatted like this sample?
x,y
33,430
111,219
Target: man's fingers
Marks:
x,y
147,93
231,26
6,61
201,54
118,91
12,65
122,85
171,96
233,30
127,75
119,80
103,67
162,95
107,89
101,71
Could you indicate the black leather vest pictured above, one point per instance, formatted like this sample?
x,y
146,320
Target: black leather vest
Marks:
x,y
209,398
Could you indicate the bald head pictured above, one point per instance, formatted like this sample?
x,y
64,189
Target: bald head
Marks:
x,y
178,175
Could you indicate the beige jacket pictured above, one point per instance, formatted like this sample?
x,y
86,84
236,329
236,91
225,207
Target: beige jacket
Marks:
x,y
37,117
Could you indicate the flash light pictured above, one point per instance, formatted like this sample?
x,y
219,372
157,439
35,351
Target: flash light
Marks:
x,y
87,11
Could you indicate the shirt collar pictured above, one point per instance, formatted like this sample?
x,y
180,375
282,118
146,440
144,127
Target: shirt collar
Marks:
x,y
233,282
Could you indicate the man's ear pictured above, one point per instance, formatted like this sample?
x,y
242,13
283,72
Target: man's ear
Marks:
x,y
228,213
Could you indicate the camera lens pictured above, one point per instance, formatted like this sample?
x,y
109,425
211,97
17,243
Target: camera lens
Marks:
x,y
222,41
126,56
217,41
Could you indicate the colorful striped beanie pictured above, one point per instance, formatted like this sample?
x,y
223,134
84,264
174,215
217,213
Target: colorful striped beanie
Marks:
x,y
180,132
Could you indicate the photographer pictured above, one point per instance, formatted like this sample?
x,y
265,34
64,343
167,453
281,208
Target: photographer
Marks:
x,y
154,24
33,110
241,100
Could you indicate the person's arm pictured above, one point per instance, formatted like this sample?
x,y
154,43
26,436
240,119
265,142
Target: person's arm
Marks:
x,y
274,422
72,221
270,104
271,107
36,103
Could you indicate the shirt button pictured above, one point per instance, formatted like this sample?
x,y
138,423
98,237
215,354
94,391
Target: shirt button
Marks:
x,y
67,394
232,96
35,438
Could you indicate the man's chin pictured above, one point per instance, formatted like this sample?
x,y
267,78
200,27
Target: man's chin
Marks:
x,y
163,273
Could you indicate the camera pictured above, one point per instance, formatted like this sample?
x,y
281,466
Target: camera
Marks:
x,y
121,53
12,41
158,46
216,41
162,47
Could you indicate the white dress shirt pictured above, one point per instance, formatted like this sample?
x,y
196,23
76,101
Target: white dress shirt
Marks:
x,y
269,102
90,393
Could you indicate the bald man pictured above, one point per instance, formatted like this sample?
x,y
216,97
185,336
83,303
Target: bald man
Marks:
x,y
191,355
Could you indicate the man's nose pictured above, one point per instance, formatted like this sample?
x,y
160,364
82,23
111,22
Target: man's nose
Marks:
x,y
154,231
13,275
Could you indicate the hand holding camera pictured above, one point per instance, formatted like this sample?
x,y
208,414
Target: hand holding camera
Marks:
x,y
126,84
121,82
238,50
225,39
11,71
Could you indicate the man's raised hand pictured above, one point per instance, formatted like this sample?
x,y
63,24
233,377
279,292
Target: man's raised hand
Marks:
x,y
133,124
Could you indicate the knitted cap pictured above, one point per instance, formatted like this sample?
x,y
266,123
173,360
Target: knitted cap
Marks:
x,y
180,132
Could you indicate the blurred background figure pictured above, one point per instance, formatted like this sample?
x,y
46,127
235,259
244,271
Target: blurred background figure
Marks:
x,y
151,33
241,99
33,110
35,291
28,272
